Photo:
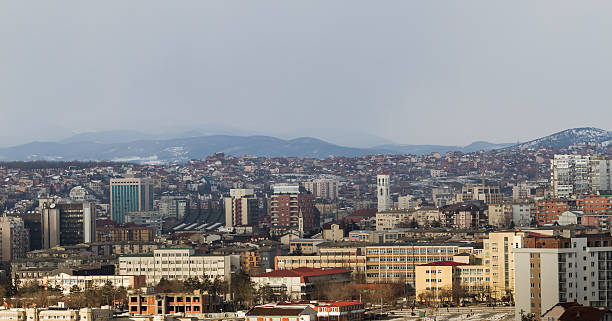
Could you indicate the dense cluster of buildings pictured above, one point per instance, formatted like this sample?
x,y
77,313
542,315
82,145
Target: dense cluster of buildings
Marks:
x,y
457,227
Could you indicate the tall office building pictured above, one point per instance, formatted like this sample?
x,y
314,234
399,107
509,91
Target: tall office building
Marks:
x,y
14,238
291,208
67,223
383,193
241,207
323,188
130,195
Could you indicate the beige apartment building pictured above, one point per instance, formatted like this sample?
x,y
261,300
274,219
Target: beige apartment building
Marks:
x,y
392,219
396,263
349,258
498,255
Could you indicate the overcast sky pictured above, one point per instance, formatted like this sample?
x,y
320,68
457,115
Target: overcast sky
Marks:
x,y
414,72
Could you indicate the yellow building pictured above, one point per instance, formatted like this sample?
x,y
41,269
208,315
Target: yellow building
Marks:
x,y
436,281
499,258
449,281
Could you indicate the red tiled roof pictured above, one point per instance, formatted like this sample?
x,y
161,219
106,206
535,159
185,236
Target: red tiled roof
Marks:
x,y
274,311
384,173
302,272
580,313
443,263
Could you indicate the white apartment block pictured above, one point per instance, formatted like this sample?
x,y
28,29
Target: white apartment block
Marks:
x,y
323,188
576,175
578,269
178,264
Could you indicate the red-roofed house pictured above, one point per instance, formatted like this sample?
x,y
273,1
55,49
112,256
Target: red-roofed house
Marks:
x,y
331,310
299,283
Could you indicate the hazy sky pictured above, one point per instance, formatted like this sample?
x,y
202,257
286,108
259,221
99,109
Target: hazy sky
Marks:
x,y
438,72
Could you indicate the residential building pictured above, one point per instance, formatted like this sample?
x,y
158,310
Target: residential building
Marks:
x,y
299,283
14,238
601,174
547,211
276,313
383,181
487,194
573,311
174,206
178,264
66,222
438,281
323,188
349,258
500,215
595,204
130,195
241,208
292,208
331,310
498,256
196,303
56,313
112,232
152,219
393,219
396,263
66,281
333,233
305,246
463,216
574,175
552,269
407,202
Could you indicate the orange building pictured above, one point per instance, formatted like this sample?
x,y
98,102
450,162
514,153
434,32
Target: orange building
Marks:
x,y
595,204
548,210
168,303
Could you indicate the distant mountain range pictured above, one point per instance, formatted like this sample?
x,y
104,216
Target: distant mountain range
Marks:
x,y
142,148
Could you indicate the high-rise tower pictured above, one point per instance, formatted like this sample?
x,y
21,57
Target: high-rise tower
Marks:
x,y
384,196
130,195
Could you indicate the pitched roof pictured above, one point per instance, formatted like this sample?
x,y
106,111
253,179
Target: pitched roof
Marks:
x,y
443,263
274,311
302,272
581,313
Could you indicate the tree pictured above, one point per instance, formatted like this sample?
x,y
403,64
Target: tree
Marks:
x,y
242,289
168,286
265,294
75,289
192,284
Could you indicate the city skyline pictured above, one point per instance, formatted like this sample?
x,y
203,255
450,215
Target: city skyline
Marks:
x,y
410,73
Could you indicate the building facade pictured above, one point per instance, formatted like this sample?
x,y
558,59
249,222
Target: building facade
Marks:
x,y
178,264
130,195
67,223
292,209
241,208
14,238
383,181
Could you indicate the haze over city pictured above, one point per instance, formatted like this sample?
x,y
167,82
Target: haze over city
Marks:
x,y
350,72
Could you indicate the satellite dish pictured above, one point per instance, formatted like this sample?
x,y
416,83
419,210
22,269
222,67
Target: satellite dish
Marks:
x,y
52,205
